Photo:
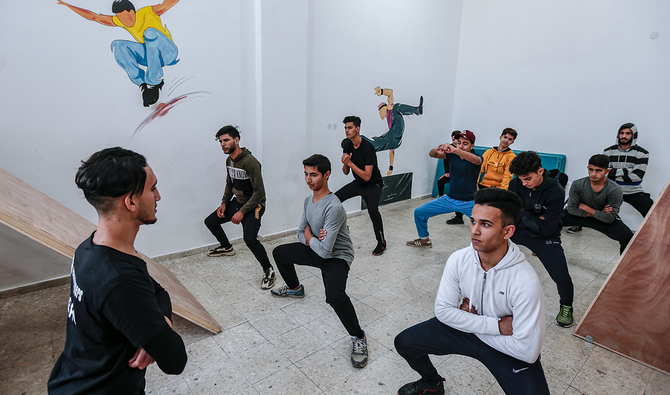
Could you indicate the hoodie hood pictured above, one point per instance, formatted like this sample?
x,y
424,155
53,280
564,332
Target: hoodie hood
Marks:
x,y
632,128
242,154
549,179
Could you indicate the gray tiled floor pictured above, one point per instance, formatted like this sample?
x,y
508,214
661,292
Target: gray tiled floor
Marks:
x,y
277,346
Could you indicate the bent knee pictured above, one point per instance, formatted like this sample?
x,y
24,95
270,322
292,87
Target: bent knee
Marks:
x,y
151,34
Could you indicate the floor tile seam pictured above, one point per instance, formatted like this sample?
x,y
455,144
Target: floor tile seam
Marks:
x,y
232,360
384,387
571,384
323,340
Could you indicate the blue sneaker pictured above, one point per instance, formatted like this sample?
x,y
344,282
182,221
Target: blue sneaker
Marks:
x,y
285,292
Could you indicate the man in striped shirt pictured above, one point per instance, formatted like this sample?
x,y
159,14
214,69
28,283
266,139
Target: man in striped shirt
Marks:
x,y
629,163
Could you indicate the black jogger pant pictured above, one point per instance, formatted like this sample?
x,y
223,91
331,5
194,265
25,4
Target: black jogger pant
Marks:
x,y
251,223
617,230
433,337
640,201
550,252
370,194
334,272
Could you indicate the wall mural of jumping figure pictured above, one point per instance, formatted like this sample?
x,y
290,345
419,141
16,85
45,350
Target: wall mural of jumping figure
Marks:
x,y
143,59
393,113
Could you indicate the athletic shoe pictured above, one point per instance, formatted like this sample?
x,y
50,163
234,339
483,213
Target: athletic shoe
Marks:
x,y
455,221
150,93
381,247
218,251
285,292
574,229
421,105
421,387
420,243
268,279
564,317
359,351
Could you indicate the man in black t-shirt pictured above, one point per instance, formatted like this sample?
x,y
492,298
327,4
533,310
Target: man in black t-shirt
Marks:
x,y
119,318
360,157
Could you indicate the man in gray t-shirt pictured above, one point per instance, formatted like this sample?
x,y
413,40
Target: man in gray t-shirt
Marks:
x,y
595,201
324,242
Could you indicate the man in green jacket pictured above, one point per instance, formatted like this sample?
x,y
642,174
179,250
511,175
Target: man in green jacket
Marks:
x,y
243,202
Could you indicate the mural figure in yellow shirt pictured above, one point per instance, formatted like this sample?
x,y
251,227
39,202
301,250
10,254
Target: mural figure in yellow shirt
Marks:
x,y
144,58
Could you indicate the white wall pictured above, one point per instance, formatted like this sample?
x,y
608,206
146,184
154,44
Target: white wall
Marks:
x,y
566,75
280,70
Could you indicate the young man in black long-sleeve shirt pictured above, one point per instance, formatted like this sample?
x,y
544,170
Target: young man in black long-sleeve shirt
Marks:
x,y
119,318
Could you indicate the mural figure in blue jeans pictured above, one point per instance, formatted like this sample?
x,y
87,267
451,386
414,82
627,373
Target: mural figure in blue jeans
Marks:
x,y
153,48
393,113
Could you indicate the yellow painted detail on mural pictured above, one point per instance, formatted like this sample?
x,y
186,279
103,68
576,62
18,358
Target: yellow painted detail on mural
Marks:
x,y
144,19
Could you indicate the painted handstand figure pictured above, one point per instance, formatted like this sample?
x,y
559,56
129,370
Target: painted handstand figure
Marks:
x,y
152,49
393,114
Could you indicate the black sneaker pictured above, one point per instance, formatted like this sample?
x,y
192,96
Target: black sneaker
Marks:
x,y
421,105
421,387
574,229
219,251
455,221
150,93
269,278
381,247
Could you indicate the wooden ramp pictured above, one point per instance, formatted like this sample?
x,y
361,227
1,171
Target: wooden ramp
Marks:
x,y
631,314
50,224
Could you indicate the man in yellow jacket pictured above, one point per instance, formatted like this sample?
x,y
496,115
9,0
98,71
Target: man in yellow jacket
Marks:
x,y
495,167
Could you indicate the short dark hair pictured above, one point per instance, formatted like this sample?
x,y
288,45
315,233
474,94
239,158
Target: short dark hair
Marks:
x,y
109,174
319,161
122,5
229,130
352,118
525,163
508,202
455,133
600,160
509,131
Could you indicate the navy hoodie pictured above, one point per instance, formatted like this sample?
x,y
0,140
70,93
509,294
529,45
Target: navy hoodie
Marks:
x,y
546,200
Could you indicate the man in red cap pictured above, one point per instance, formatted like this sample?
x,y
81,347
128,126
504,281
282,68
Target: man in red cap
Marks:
x,y
464,167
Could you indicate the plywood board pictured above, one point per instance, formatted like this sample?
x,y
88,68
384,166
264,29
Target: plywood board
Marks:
x,y
630,313
33,214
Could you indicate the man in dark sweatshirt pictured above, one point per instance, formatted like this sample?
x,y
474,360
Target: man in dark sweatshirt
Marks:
x,y
119,318
245,182
539,225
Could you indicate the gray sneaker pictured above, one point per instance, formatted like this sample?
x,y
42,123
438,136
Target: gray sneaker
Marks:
x,y
268,279
285,292
359,351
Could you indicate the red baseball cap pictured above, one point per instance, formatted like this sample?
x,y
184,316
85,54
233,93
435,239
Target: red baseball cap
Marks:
x,y
467,135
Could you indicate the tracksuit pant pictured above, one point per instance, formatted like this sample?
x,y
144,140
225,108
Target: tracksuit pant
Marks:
x,y
550,252
433,337
251,224
441,205
617,230
370,194
334,272
640,201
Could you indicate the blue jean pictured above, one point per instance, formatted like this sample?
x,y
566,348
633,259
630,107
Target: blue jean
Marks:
x,y
156,52
441,205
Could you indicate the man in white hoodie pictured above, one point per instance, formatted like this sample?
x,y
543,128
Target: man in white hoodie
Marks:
x,y
489,307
